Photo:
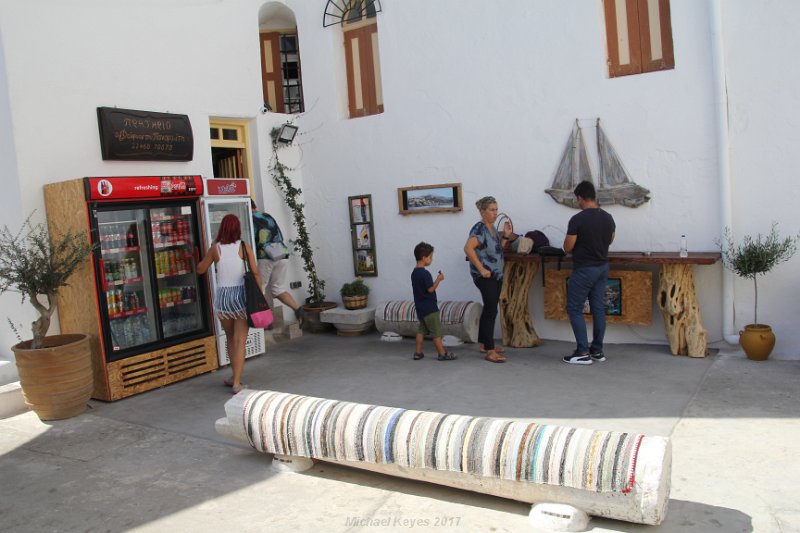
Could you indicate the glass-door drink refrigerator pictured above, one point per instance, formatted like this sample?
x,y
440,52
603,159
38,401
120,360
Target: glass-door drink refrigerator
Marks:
x,y
142,301
229,196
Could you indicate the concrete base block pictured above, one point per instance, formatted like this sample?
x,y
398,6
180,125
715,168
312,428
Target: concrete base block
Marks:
x,y
558,517
11,400
350,322
290,463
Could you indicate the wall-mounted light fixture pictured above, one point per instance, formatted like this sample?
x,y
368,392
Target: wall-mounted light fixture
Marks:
x,y
286,134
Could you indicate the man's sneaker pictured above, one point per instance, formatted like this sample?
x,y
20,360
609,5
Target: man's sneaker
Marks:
x,y
578,359
597,355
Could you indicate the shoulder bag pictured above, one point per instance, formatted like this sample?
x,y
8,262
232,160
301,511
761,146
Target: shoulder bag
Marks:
x,y
259,315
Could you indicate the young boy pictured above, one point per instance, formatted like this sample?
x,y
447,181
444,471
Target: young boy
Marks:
x,y
424,288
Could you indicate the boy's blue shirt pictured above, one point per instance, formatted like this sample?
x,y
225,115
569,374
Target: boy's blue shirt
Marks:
x,y
425,302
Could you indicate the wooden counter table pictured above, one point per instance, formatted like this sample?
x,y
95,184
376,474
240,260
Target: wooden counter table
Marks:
x,y
677,298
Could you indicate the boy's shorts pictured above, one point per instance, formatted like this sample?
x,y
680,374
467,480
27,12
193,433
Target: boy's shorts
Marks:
x,y
431,324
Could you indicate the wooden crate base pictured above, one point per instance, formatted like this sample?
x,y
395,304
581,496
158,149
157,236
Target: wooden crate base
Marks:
x,y
153,370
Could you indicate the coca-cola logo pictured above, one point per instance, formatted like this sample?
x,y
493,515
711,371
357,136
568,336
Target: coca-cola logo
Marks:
x,y
104,187
227,189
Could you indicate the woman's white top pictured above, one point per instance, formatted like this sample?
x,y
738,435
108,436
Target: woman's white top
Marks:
x,y
230,267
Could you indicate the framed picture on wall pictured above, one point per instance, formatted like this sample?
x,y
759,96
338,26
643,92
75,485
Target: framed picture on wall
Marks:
x,y
365,263
360,209
362,233
363,236
442,198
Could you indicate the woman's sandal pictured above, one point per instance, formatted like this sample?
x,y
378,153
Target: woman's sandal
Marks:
x,y
447,356
495,357
228,382
418,356
497,350
239,388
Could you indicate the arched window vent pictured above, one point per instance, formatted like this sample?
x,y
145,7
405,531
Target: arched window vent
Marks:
x,y
343,11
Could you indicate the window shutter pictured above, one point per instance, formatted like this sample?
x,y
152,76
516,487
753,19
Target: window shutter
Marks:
x,y
656,35
363,71
622,35
272,83
639,36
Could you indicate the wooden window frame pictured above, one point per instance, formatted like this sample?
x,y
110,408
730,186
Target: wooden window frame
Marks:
x,y
639,32
241,144
272,82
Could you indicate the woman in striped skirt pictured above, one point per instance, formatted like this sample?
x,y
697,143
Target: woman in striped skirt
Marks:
x,y
229,300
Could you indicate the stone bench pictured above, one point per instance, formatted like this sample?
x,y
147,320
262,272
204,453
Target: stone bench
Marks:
x,y
459,319
569,473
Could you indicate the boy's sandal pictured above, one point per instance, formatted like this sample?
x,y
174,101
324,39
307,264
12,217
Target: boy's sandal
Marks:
x,y
447,356
418,356
495,358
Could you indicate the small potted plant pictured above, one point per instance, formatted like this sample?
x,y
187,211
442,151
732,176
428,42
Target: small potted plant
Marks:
x,y
751,258
55,372
355,294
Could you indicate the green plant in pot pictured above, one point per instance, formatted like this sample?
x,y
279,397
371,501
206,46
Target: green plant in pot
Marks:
x,y
749,259
55,371
315,302
355,294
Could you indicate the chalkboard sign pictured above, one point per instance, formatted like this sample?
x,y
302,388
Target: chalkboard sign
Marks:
x,y
129,135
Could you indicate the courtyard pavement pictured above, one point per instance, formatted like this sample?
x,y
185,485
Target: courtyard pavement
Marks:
x,y
154,462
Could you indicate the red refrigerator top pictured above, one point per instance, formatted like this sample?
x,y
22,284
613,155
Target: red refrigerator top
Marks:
x,y
142,187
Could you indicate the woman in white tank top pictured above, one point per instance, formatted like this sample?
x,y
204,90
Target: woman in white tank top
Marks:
x,y
229,299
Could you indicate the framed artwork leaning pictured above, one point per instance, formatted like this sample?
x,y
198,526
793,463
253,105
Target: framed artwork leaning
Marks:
x,y
362,235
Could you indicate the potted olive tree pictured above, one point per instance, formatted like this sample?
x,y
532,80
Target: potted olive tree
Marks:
x,y
355,294
315,302
55,372
749,259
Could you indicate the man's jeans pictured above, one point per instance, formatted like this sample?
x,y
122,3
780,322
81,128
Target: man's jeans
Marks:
x,y
588,282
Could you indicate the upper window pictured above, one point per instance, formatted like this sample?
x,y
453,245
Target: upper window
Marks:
x,y
280,72
362,60
639,35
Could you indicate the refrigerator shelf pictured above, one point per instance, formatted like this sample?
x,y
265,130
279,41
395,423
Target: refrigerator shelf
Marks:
x,y
125,250
163,218
132,312
165,305
128,281
174,244
174,274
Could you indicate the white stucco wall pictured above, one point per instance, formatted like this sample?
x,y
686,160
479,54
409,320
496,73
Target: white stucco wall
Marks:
x,y
484,97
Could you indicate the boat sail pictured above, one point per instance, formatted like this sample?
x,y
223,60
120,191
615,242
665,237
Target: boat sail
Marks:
x,y
614,186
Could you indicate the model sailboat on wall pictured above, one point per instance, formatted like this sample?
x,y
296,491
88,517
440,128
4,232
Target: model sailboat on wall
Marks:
x,y
613,186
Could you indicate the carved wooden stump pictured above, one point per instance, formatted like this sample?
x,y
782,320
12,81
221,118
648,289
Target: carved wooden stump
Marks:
x,y
678,301
515,318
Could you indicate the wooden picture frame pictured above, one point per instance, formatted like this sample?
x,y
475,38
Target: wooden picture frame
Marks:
x,y
440,198
362,235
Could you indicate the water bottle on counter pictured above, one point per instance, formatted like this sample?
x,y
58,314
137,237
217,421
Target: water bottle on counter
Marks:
x,y
684,249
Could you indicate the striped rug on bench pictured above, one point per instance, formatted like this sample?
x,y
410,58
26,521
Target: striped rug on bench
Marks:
x,y
508,449
451,312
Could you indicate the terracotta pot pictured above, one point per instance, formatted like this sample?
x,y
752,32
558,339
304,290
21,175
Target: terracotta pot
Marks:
x,y
757,341
355,302
312,323
57,379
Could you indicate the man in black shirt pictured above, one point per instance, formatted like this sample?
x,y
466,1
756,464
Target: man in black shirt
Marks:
x,y
589,234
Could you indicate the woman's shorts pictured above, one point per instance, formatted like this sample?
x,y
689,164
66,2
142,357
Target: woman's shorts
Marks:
x,y
229,303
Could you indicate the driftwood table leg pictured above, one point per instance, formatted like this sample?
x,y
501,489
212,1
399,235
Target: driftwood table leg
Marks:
x,y
515,318
678,302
